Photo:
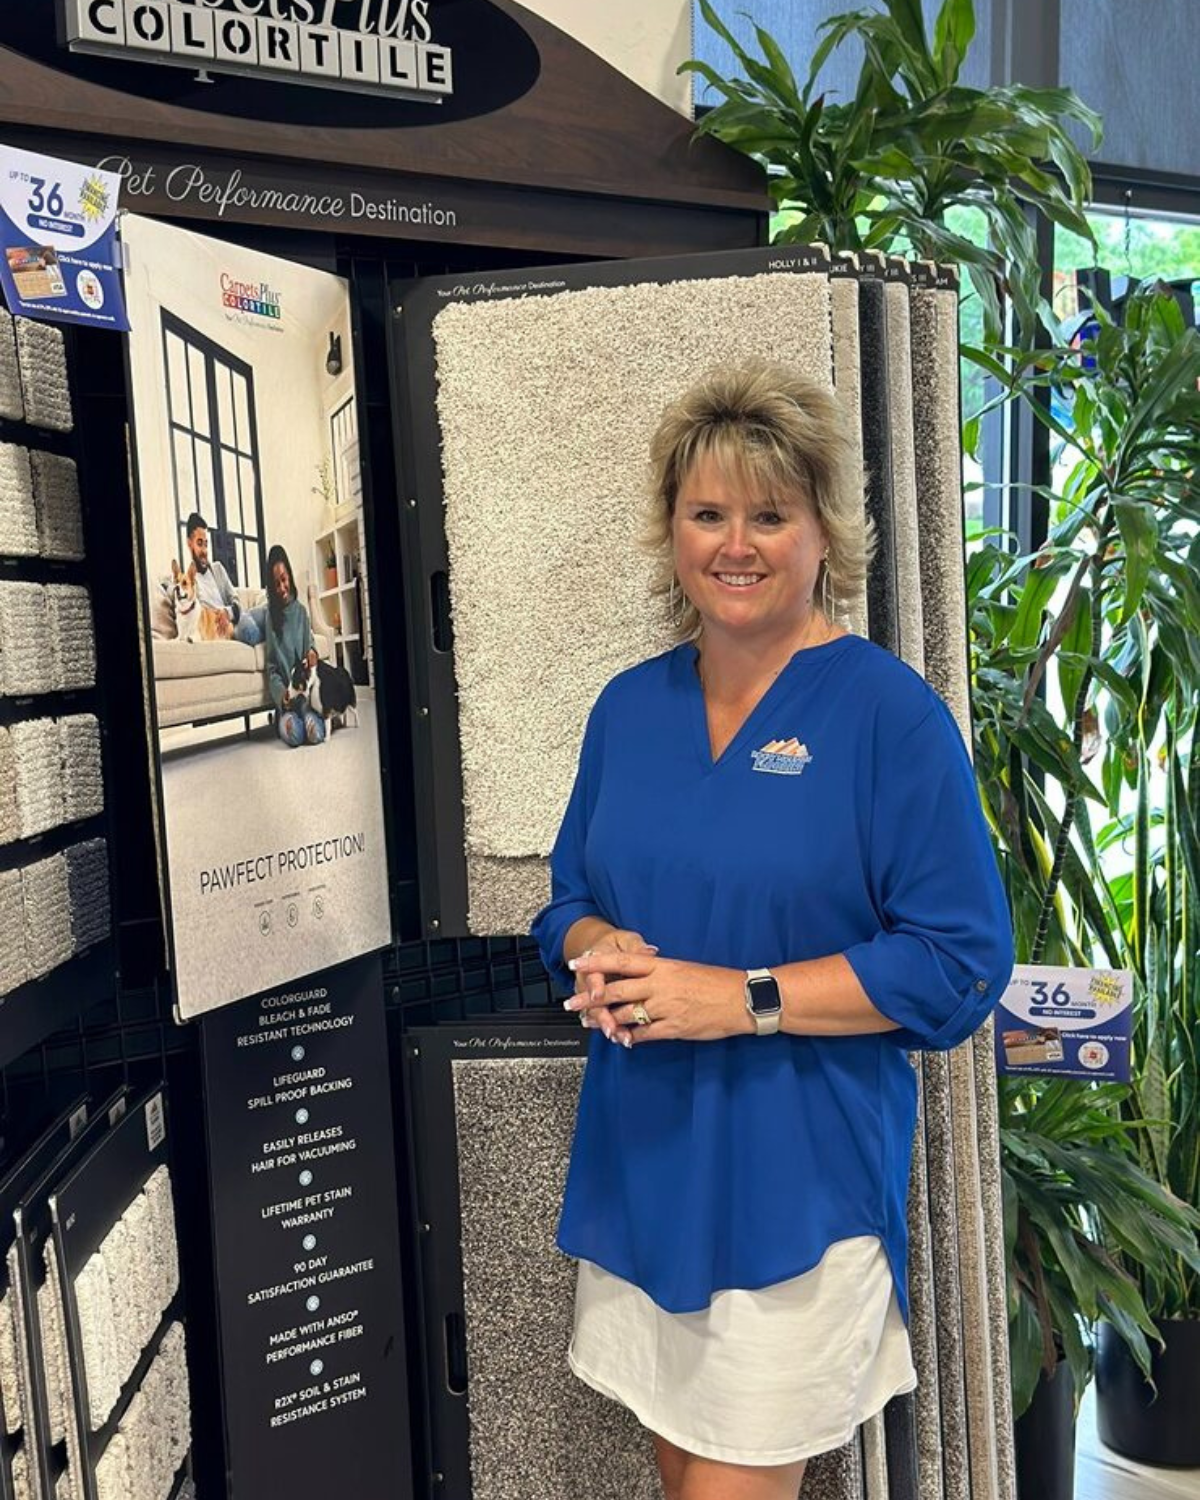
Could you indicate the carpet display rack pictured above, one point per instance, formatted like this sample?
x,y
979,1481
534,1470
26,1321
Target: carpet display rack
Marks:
x,y
520,511
93,1372
55,916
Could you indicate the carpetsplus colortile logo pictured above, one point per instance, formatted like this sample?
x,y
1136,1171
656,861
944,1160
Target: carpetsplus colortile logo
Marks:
x,y
251,297
782,757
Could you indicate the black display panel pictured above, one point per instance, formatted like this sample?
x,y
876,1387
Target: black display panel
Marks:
x,y
302,1182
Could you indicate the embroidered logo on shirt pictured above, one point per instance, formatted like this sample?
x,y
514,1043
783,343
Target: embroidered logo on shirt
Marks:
x,y
782,757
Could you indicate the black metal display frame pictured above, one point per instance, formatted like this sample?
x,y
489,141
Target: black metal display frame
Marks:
x,y
40,1007
437,751
437,1251
34,1227
83,1208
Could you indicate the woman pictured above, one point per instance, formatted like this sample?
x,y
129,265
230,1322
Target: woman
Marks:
x,y
289,640
772,879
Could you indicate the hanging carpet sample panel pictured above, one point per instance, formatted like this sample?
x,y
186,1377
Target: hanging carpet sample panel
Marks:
x,y
882,604
42,355
10,818
48,937
26,644
39,775
82,772
57,504
843,294
18,513
905,527
74,640
546,406
12,403
88,893
14,962
535,1429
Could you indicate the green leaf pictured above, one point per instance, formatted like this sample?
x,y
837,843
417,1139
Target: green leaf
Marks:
x,y
1135,519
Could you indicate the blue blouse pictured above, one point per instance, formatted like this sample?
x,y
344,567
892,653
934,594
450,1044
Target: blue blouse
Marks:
x,y
842,818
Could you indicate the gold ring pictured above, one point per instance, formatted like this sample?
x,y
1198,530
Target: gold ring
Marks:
x,y
641,1016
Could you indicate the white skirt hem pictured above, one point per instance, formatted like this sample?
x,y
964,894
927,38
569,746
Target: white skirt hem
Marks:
x,y
721,1454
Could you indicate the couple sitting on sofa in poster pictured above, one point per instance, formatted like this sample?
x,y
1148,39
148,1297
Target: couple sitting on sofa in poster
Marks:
x,y
208,609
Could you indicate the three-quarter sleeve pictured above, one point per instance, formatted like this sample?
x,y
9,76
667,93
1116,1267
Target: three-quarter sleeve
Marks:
x,y
944,952
570,893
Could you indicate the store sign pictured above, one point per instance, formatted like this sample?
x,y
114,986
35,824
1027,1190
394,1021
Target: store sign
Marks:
x,y
368,46
1065,1021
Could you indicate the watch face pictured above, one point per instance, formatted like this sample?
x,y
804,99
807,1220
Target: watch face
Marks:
x,y
763,995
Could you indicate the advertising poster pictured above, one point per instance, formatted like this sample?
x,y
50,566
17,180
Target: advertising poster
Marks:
x,y
58,224
1070,1022
258,649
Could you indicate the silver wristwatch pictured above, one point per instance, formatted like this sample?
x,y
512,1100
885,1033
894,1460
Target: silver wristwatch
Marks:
x,y
763,1000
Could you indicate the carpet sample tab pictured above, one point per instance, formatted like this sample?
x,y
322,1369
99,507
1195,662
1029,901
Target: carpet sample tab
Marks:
x,y
535,1429
22,1484
88,892
18,513
70,610
877,457
843,292
42,355
546,407
39,775
10,817
58,507
12,403
26,643
48,937
60,1385
82,770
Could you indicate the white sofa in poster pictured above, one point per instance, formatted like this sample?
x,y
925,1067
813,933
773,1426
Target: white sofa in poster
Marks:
x,y
199,681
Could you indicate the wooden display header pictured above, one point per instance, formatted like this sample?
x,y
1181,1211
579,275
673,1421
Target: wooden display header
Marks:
x,y
476,123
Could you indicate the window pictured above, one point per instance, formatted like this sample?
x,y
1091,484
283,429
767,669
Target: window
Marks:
x,y
214,449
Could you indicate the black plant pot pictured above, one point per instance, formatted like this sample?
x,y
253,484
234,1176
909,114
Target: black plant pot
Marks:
x,y
1163,1431
1045,1439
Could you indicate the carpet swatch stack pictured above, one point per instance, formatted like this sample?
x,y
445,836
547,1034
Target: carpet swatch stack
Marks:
x,y
545,405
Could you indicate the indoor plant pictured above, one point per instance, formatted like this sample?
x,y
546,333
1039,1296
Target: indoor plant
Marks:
x,y
886,169
1110,601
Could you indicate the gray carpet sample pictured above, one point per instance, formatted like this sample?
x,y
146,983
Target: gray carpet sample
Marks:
x,y
48,937
843,292
12,403
877,456
14,963
904,474
70,609
59,512
834,1476
922,1316
82,770
42,356
934,324
39,775
503,893
546,406
10,817
26,643
18,514
88,893
537,1433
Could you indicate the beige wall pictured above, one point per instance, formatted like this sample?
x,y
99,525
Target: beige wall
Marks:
x,y
646,39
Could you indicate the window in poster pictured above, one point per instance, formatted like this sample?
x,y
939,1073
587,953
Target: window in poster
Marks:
x,y
267,748
1074,1022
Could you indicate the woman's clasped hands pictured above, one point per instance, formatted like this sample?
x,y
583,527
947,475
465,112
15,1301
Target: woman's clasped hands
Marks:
x,y
625,989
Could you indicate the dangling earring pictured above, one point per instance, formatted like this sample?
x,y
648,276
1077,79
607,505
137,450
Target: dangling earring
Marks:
x,y
828,595
675,603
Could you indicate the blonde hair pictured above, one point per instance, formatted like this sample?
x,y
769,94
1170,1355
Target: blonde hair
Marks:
x,y
774,430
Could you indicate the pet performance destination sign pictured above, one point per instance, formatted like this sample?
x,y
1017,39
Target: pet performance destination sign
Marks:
x,y
256,583
369,46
